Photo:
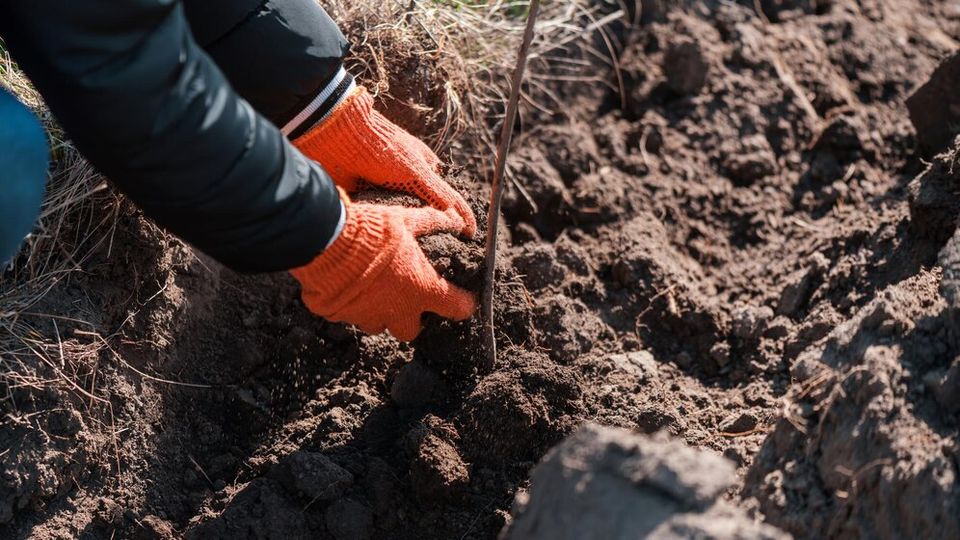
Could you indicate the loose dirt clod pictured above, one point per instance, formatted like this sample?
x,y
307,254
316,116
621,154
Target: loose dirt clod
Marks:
x,y
437,470
416,386
933,205
685,66
945,386
517,414
604,483
935,108
349,520
313,476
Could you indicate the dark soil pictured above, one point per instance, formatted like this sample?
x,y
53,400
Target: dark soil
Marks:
x,y
708,253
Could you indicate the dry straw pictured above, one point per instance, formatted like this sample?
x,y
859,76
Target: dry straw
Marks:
x,y
76,220
471,47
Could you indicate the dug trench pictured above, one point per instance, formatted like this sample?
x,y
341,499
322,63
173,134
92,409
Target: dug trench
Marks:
x,y
708,252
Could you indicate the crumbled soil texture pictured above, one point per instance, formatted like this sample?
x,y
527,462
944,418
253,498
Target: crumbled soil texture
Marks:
x,y
721,247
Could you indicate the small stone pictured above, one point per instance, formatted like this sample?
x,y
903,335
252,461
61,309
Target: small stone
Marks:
x,y
592,484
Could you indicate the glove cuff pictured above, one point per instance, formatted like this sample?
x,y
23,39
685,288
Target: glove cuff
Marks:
x,y
353,133
322,105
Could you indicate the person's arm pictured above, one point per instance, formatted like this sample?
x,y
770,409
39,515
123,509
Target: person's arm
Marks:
x,y
151,110
283,56
286,58
148,107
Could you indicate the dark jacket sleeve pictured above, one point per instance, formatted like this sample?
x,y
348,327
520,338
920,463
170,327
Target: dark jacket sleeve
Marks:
x,y
278,54
149,108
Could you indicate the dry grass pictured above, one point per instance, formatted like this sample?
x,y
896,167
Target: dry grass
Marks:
x,y
472,46
75,221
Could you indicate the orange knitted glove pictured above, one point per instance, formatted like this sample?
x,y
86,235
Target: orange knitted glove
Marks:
x,y
375,275
357,142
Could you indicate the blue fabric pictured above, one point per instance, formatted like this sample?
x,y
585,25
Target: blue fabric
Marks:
x,y
24,159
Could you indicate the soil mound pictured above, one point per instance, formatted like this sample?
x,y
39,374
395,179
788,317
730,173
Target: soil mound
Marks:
x,y
868,447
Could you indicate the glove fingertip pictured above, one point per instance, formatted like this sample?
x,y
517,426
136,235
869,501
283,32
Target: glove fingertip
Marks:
x,y
470,220
471,230
457,304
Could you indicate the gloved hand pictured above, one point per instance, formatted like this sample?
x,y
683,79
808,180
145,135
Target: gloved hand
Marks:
x,y
357,142
375,275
